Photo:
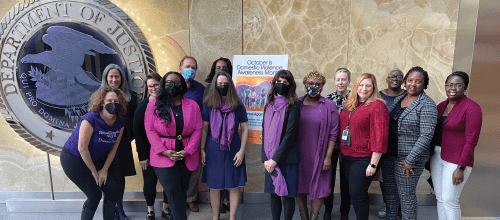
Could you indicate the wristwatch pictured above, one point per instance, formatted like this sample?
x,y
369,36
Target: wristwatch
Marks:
x,y
375,166
461,167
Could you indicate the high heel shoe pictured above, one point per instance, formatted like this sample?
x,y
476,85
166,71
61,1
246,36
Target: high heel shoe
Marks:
x,y
119,213
304,215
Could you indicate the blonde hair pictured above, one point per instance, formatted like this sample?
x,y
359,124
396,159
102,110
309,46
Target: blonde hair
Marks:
x,y
314,74
353,100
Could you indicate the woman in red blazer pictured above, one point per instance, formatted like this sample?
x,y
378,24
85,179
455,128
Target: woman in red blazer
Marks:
x,y
173,126
456,136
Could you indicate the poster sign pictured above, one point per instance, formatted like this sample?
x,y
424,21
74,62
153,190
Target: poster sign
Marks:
x,y
252,75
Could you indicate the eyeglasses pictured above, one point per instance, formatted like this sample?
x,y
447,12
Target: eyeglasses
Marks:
x,y
154,86
456,86
396,77
170,83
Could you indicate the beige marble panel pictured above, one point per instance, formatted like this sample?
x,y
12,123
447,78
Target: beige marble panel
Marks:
x,y
165,24
216,31
312,32
377,51
314,35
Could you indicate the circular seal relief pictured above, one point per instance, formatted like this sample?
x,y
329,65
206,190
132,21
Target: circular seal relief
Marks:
x,y
52,54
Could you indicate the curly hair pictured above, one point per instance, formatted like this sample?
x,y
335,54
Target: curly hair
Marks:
x,y
314,74
163,99
96,103
210,76
353,99
420,70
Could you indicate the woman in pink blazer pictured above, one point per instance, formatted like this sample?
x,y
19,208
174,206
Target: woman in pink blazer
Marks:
x,y
455,137
173,125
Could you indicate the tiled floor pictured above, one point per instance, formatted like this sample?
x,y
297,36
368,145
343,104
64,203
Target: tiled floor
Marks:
x,y
245,211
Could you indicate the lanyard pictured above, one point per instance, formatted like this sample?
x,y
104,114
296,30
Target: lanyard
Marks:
x,y
350,114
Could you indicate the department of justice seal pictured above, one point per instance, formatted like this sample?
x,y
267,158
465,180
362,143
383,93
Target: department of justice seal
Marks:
x,y
52,54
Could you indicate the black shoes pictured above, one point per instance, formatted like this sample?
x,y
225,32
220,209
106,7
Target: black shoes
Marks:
x,y
87,213
166,213
151,215
327,216
344,217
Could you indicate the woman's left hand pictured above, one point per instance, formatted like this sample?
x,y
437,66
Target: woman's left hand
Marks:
x,y
327,164
182,153
103,176
238,158
370,171
270,165
407,168
458,176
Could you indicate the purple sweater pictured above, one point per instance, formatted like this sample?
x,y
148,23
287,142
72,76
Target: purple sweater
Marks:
x,y
460,131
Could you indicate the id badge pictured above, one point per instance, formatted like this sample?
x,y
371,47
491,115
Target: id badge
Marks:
x,y
346,137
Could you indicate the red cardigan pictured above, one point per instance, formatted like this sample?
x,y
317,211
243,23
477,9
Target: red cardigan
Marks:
x,y
369,127
460,131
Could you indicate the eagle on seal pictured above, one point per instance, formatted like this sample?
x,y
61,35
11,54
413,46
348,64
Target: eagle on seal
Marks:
x,y
69,83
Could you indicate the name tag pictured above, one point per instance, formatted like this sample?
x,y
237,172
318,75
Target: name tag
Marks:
x,y
346,137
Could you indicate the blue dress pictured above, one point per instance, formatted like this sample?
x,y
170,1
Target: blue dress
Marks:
x,y
220,172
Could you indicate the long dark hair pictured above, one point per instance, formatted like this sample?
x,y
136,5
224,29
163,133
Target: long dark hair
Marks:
x,y
210,76
213,98
164,101
291,97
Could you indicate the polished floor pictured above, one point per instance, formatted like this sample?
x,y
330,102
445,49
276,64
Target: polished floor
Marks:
x,y
245,211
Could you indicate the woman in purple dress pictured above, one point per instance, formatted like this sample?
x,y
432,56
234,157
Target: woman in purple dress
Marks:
x,y
280,147
222,150
319,126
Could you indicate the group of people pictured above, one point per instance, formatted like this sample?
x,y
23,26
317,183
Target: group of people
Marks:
x,y
183,126
250,98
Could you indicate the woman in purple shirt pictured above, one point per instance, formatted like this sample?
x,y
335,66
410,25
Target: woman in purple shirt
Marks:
x,y
455,137
319,126
91,148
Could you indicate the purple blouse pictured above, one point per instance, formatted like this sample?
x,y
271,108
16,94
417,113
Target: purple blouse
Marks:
x,y
102,139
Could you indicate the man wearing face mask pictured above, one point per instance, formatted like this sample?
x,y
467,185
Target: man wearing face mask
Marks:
x,y
319,124
187,68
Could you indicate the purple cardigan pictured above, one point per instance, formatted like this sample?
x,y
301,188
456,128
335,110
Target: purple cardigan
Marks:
x,y
460,131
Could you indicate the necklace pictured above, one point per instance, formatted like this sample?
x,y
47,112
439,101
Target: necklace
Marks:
x,y
172,107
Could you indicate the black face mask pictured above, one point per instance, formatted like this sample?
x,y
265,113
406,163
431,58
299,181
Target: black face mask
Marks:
x,y
223,89
112,107
281,88
173,91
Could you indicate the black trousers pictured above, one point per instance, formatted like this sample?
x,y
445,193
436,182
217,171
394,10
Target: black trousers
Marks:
x,y
149,188
288,206
355,170
345,197
175,182
78,172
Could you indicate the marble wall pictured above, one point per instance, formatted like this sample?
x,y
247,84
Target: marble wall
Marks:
x,y
364,35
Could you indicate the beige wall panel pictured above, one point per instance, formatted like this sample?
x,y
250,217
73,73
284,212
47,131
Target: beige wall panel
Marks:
x,y
312,33
166,27
389,34
215,32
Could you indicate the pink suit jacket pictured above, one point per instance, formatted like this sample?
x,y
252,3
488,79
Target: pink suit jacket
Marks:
x,y
156,126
